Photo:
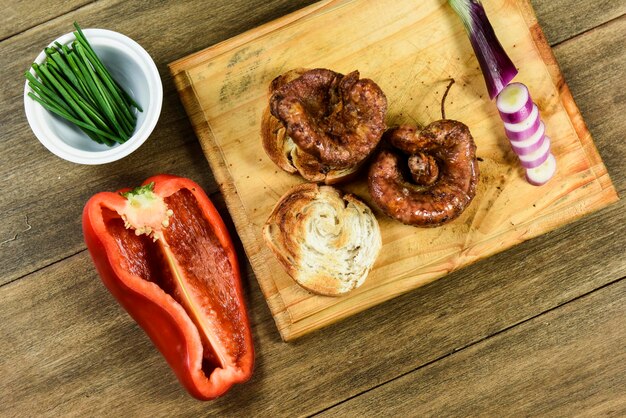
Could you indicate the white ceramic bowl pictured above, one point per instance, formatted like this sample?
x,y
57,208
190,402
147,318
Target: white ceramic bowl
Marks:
x,y
132,67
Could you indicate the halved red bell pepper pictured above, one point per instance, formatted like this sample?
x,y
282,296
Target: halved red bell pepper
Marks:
x,y
164,252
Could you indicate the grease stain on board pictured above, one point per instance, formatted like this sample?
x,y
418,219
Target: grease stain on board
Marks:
x,y
233,89
242,55
236,83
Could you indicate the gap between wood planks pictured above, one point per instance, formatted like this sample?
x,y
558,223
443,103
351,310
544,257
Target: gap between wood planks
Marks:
x,y
46,21
212,196
552,45
42,268
471,344
587,31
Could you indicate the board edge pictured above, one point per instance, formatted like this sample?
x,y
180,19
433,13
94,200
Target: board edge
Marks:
x,y
290,331
190,61
565,96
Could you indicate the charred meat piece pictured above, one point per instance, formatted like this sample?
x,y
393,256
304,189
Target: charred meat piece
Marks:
x,y
441,162
337,119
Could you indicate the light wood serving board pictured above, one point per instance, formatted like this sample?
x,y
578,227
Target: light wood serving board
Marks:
x,y
410,48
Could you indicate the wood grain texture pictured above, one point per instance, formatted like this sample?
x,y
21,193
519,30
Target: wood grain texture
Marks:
x,y
19,16
568,362
224,91
561,21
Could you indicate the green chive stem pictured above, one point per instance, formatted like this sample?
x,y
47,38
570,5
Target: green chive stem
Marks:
x,y
73,83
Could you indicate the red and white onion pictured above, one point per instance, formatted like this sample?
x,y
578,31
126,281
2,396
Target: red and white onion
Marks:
x,y
540,175
530,144
514,103
524,129
522,123
537,157
526,132
497,68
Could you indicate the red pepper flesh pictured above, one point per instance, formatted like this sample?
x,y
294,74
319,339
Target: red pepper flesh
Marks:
x,y
165,254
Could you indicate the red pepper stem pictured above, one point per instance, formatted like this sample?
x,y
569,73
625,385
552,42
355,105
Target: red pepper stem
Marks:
x,y
146,212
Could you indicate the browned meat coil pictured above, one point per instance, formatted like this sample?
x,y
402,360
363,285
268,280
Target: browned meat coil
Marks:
x,y
323,124
441,162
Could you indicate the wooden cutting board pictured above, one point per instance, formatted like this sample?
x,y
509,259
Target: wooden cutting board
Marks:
x,y
410,48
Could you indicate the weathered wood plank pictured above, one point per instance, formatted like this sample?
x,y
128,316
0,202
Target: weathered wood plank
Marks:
x,y
562,20
568,362
18,16
66,339
597,98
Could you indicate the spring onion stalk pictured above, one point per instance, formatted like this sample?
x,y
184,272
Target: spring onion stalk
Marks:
x,y
497,67
522,123
74,84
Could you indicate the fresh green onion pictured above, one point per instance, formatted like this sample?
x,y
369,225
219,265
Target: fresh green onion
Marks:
x,y
496,65
74,84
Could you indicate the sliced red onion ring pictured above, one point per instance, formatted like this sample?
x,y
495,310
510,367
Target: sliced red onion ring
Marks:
x,y
524,129
542,174
532,143
537,157
514,103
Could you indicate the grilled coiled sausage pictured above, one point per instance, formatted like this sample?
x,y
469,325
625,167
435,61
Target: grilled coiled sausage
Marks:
x,y
441,162
335,118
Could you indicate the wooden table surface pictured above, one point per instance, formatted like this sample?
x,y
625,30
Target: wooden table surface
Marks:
x,y
537,330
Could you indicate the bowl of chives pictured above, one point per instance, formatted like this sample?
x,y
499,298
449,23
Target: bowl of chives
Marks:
x,y
100,104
